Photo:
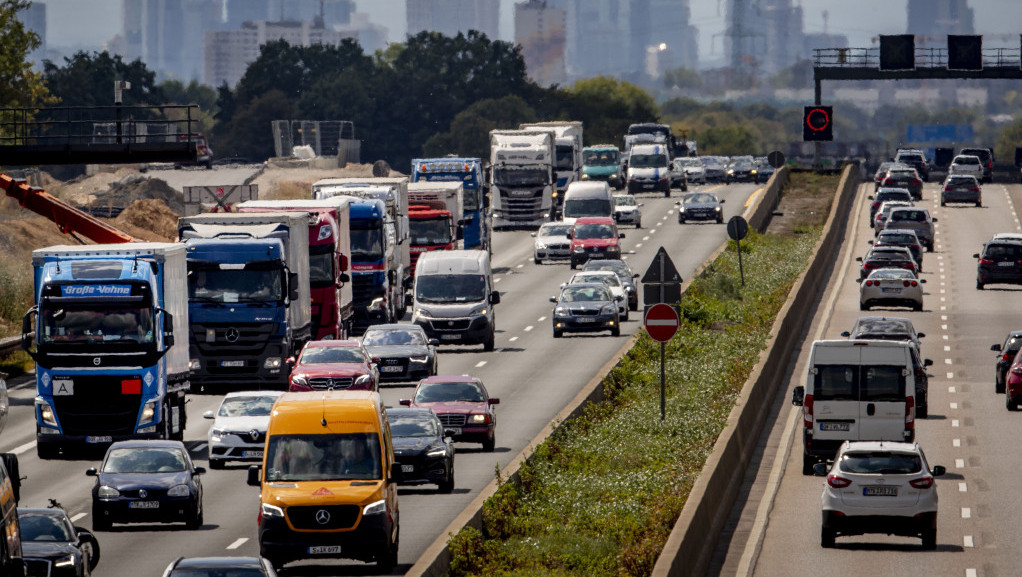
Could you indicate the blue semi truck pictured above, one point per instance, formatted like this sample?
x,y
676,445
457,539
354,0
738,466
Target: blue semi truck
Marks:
x,y
469,172
110,343
374,278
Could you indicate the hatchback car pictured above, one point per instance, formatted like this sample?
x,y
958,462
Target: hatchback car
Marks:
x,y
586,307
887,257
552,242
146,481
219,567
52,546
913,218
422,447
881,172
239,426
884,212
891,287
879,487
401,352
884,194
904,177
627,211
966,164
1005,357
333,365
594,238
612,281
624,274
462,405
700,206
1013,384
1000,262
904,238
916,159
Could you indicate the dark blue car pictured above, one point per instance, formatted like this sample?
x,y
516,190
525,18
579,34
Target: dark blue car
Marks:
x,y
146,481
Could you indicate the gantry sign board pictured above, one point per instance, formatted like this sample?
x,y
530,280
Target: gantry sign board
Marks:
x,y
201,199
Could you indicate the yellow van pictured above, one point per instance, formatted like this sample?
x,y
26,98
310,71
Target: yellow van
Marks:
x,y
11,563
328,479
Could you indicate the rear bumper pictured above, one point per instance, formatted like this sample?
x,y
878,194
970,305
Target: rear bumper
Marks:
x,y
906,526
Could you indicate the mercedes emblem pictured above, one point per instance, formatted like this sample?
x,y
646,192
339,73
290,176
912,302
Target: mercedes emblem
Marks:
x,y
322,516
142,493
232,335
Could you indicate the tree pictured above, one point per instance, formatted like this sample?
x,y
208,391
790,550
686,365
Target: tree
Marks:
x,y
606,106
470,131
19,85
249,132
176,93
88,80
728,140
684,78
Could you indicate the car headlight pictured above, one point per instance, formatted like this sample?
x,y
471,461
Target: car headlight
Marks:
x,y
300,381
217,433
194,364
419,360
420,313
437,452
609,309
615,175
478,418
362,380
716,208
578,249
377,304
148,413
65,561
561,311
271,510
375,508
585,177
178,491
46,414
540,245
108,492
478,312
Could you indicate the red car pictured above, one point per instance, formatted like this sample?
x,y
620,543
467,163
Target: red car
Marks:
x,y
463,405
594,237
1013,384
333,365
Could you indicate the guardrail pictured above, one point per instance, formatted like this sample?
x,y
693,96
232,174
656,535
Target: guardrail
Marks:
x,y
9,345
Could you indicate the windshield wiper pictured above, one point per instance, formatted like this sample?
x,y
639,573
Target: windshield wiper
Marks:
x,y
208,300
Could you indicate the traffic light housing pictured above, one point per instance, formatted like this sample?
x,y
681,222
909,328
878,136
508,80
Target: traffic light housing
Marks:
x,y
818,123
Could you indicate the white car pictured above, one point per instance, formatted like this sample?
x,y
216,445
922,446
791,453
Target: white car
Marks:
x,y
612,281
891,287
552,242
967,164
879,487
880,218
627,211
693,169
239,427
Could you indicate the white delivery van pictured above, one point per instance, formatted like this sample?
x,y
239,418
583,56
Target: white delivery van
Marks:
x,y
856,390
591,198
454,297
649,169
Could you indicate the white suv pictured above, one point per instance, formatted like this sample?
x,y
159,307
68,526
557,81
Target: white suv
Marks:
x,y
879,487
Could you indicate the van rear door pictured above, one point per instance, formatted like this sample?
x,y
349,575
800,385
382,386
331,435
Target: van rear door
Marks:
x,y
884,386
835,399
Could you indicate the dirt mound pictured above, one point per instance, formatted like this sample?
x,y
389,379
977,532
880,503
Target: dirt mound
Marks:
x,y
137,187
149,219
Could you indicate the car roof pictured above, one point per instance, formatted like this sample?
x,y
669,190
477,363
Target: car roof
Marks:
x,y
395,326
218,562
333,343
136,443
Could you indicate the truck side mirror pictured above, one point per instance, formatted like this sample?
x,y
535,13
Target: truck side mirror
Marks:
x,y
798,396
27,339
494,298
343,278
292,285
168,329
255,475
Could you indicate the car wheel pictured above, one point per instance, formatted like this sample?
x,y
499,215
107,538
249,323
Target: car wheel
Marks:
x,y
930,538
557,334
216,464
917,307
387,558
929,247
626,314
195,520
942,203
488,345
490,444
827,537
447,485
998,387
537,260
808,462
638,224
573,265
616,331
979,285
979,204
923,409
720,220
863,307
681,220
1009,403
100,522
634,305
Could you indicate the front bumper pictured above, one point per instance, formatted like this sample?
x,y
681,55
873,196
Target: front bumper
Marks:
x,y
405,370
170,510
647,185
699,214
631,217
231,447
366,541
422,470
570,323
457,331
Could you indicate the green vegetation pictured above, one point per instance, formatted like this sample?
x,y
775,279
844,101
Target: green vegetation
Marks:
x,y
601,495
15,299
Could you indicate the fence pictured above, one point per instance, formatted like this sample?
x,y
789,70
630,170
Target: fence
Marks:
x,y
326,137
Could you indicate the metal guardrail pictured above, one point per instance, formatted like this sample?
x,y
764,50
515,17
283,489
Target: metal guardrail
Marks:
x,y
9,345
935,58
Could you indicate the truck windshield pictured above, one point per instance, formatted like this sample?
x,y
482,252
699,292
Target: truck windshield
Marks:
x,y
579,207
600,158
470,201
366,244
647,161
450,288
433,231
528,176
89,323
351,456
565,157
321,266
235,286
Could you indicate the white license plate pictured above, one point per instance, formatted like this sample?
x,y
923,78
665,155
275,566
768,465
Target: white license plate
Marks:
x,y
252,454
99,439
833,426
407,468
891,290
450,337
585,320
453,430
144,505
1006,263
324,549
880,491
390,369
595,255
232,363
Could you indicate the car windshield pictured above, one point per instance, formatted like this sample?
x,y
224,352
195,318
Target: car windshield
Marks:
x,y
599,157
689,163
891,274
908,215
607,279
449,392
450,288
883,328
412,426
589,231
647,161
254,406
217,572
323,457
624,201
881,463
581,207
72,323
43,527
263,284
144,460
393,337
318,355
699,198
560,230
584,294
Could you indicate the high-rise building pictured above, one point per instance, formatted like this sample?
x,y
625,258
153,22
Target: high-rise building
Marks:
x,y
540,30
764,37
939,18
449,17
34,19
168,34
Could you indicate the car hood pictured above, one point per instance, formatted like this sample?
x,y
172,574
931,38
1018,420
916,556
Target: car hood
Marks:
x,y
556,239
397,350
47,550
130,481
242,423
295,493
625,208
331,370
584,304
453,406
699,205
410,446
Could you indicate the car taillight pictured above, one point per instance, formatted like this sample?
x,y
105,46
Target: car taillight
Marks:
x,y
838,482
916,181
869,283
888,180
985,261
807,411
915,247
947,189
910,413
990,164
876,205
1006,357
922,483
975,189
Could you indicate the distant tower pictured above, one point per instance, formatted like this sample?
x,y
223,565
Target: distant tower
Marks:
x,y
938,18
540,30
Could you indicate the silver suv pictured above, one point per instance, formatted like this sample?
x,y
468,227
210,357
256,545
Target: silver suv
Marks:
x,y
915,219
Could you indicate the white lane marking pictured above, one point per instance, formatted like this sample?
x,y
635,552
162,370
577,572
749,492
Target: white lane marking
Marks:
x,y
199,447
528,328
951,389
947,361
943,308
659,223
653,230
540,319
956,442
27,446
238,543
943,327
950,375
959,463
75,518
947,349
625,257
663,218
496,280
967,541
946,337
519,266
513,339
963,487
480,364
942,291
954,422
943,300
953,405
966,513
639,245
645,238
943,317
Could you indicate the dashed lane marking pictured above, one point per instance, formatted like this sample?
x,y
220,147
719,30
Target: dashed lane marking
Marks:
x,y
513,339
963,487
480,364
23,448
967,541
954,422
528,328
238,543
959,463
966,513
75,518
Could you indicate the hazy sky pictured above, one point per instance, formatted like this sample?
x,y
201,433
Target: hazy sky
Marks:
x,y
89,23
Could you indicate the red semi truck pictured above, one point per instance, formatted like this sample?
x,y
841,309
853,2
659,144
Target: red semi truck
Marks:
x,y
434,216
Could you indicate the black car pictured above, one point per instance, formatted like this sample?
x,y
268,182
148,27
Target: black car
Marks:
x,y
700,206
999,263
52,547
902,237
585,307
741,171
917,160
624,274
762,171
422,447
402,352
146,481
885,194
220,567
1006,355
907,178
898,329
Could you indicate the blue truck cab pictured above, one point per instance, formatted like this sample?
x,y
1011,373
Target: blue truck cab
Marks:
x,y
469,172
109,365
372,264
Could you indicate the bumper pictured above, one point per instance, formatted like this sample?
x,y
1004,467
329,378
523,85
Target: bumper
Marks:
x,y
572,324
170,510
971,197
368,541
628,217
907,526
455,331
409,371
231,448
995,275
647,185
578,258
700,215
422,471
552,253
251,376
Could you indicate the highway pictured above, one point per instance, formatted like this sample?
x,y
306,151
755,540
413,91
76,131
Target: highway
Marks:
x,y
534,376
968,430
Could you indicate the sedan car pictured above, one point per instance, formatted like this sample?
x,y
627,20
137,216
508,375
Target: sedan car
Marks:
x,y
588,307
462,405
714,168
891,286
53,547
239,426
401,351
887,257
881,172
1013,384
884,194
220,567
627,211
913,218
422,448
552,242
1006,354
333,365
961,188
146,481
612,281
624,274
762,171
966,164
884,212
903,238
700,206
879,487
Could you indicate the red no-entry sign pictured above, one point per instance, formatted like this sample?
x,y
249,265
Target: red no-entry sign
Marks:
x,y
661,322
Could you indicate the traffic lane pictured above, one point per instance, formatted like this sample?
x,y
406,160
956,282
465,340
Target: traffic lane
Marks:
x,y
792,522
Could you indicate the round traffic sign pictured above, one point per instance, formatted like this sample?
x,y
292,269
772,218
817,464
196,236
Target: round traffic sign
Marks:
x,y
737,228
661,322
776,159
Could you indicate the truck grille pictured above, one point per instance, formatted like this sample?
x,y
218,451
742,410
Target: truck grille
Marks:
x,y
97,406
231,339
453,420
450,325
362,289
515,207
337,517
323,383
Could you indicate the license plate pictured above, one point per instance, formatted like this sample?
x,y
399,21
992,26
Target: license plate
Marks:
x,y
880,491
450,337
390,369
833,426
144,505
99,439
232,363
453,430
252,454
324,549
1006,263
407,468
586,320
595,255
891,290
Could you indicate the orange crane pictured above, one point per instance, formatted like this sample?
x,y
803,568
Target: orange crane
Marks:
x,y
68,219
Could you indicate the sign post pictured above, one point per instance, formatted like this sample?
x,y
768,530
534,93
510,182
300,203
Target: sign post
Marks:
x,y
661,323
661,287
737,229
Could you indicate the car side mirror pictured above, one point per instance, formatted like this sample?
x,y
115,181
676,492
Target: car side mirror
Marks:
x,y
449,434
636,275
934,220
200,470
870,197
375,360
938,471
642,204
869,242
532,234
395,473
846,334
858,259
798,395
922,281
405,402
859,280
494,298
255,475
677,202
290,361
721,201
208,415
620,235
920,335
91,472
996,347
820,469
975,256
553,299
493,401
434,342
927,362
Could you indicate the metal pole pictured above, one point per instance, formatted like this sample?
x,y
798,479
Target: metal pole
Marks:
x,y
663,388
663,281
817,146
740,268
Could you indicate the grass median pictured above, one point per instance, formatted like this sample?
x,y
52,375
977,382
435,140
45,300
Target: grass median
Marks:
x,y
601,494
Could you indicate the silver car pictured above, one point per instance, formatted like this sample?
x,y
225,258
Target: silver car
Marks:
x,y
891,287
552,242
914,218
627,211
239,427
609,278
961,188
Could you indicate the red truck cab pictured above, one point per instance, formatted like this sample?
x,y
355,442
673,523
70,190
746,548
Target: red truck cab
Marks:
x,y
594,237
430,229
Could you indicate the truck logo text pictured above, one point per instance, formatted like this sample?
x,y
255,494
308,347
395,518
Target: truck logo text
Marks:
x,y
95,290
